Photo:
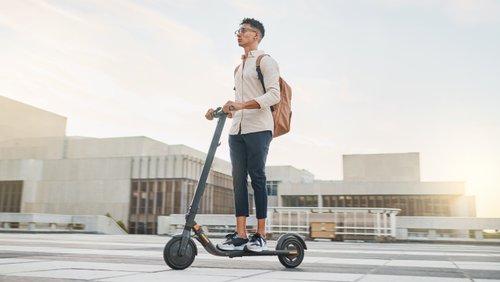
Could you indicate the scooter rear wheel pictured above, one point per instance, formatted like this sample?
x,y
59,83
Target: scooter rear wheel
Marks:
x,y
291,244
172,258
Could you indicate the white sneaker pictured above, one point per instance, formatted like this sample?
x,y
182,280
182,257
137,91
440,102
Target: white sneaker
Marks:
x,y
233,243
256,244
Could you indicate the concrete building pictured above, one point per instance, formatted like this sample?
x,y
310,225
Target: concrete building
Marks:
x,y
382,180
390,181
134,179
18,120
279,175
137,179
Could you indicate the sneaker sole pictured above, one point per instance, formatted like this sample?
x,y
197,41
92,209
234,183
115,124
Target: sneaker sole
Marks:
x,y
238,248
255,250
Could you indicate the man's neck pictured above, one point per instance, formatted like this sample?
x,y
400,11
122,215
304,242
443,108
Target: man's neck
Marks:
x,y
249,49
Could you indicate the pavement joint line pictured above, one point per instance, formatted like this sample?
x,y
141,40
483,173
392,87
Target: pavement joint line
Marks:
x,y
251,275
62,242
20,262
373,270
44,270
129,275
112,276
461,270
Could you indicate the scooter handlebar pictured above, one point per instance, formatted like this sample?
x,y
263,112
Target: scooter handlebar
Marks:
x,y
219,112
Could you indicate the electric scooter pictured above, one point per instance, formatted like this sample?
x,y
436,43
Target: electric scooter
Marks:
x,y
180,251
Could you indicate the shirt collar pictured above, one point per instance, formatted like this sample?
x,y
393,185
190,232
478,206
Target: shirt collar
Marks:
x,y
252,54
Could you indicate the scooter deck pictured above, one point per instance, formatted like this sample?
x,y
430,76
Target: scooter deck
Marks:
x,y
244,253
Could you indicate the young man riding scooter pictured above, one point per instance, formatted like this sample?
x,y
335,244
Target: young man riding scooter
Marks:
x,y
250,135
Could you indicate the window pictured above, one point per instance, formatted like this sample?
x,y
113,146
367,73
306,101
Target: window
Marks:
x,y
10,196
348,201
152,197
410,205
272,187
300,201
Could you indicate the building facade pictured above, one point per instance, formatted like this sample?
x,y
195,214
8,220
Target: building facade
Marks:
x,y
382,181
134,179
137,179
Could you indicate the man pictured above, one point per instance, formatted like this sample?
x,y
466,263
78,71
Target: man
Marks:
x,y
250,134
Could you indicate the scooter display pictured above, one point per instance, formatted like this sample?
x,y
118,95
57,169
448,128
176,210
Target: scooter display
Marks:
x,y
180,251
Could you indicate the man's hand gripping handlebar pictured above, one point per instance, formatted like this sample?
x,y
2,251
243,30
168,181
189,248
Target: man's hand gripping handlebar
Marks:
x,y
218,112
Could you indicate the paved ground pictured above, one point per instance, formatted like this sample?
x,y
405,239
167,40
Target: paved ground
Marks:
x,y
70,257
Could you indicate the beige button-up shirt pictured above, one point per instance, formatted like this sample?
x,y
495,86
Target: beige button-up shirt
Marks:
x,y
248,87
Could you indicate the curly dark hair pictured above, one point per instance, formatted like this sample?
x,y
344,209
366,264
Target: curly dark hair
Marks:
x,y
255,24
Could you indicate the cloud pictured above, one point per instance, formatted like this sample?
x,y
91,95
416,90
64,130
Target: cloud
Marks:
x,y
461,12
402,3
466,12
126,63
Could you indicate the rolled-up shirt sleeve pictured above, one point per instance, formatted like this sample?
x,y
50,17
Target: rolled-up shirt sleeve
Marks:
x,y
271,73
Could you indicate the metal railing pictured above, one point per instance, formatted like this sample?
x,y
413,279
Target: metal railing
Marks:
x,y
364,223
40,222
370,222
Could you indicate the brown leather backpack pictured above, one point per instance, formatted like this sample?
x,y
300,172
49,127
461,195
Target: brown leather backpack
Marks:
x,y
282,112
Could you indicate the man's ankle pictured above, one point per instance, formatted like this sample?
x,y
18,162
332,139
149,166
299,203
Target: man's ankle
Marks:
x,y
262,234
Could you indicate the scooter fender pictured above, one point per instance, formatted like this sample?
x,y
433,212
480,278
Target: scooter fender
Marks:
x,y
288,235
180,237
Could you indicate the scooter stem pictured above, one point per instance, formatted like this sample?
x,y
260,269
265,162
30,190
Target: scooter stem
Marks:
x,y
193,208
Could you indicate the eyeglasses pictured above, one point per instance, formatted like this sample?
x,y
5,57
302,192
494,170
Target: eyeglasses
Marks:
x,y
243,30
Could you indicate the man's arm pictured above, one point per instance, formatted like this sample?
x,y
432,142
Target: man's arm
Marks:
x,y
252,104
270,71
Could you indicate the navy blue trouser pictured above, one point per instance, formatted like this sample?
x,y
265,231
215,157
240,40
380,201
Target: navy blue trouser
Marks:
x,y
248,157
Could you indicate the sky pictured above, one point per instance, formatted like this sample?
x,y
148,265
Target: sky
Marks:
x,y
368,77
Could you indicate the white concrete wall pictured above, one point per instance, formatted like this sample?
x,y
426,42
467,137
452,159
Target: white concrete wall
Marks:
x,y
459,226
381,167
92,175
114,147
21,169
59,223
29,171
464,206
219,165
33,148
372,188
173,224
140,148
18,120
83,186
272,201
288,174
435,222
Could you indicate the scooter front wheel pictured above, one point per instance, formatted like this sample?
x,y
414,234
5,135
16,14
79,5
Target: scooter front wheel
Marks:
x,y
295,246
171,255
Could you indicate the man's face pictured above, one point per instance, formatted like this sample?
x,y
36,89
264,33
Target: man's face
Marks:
x,y
246,35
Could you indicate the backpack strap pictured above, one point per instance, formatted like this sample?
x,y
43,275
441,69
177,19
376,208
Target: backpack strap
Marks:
x,y
259,72
260,75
